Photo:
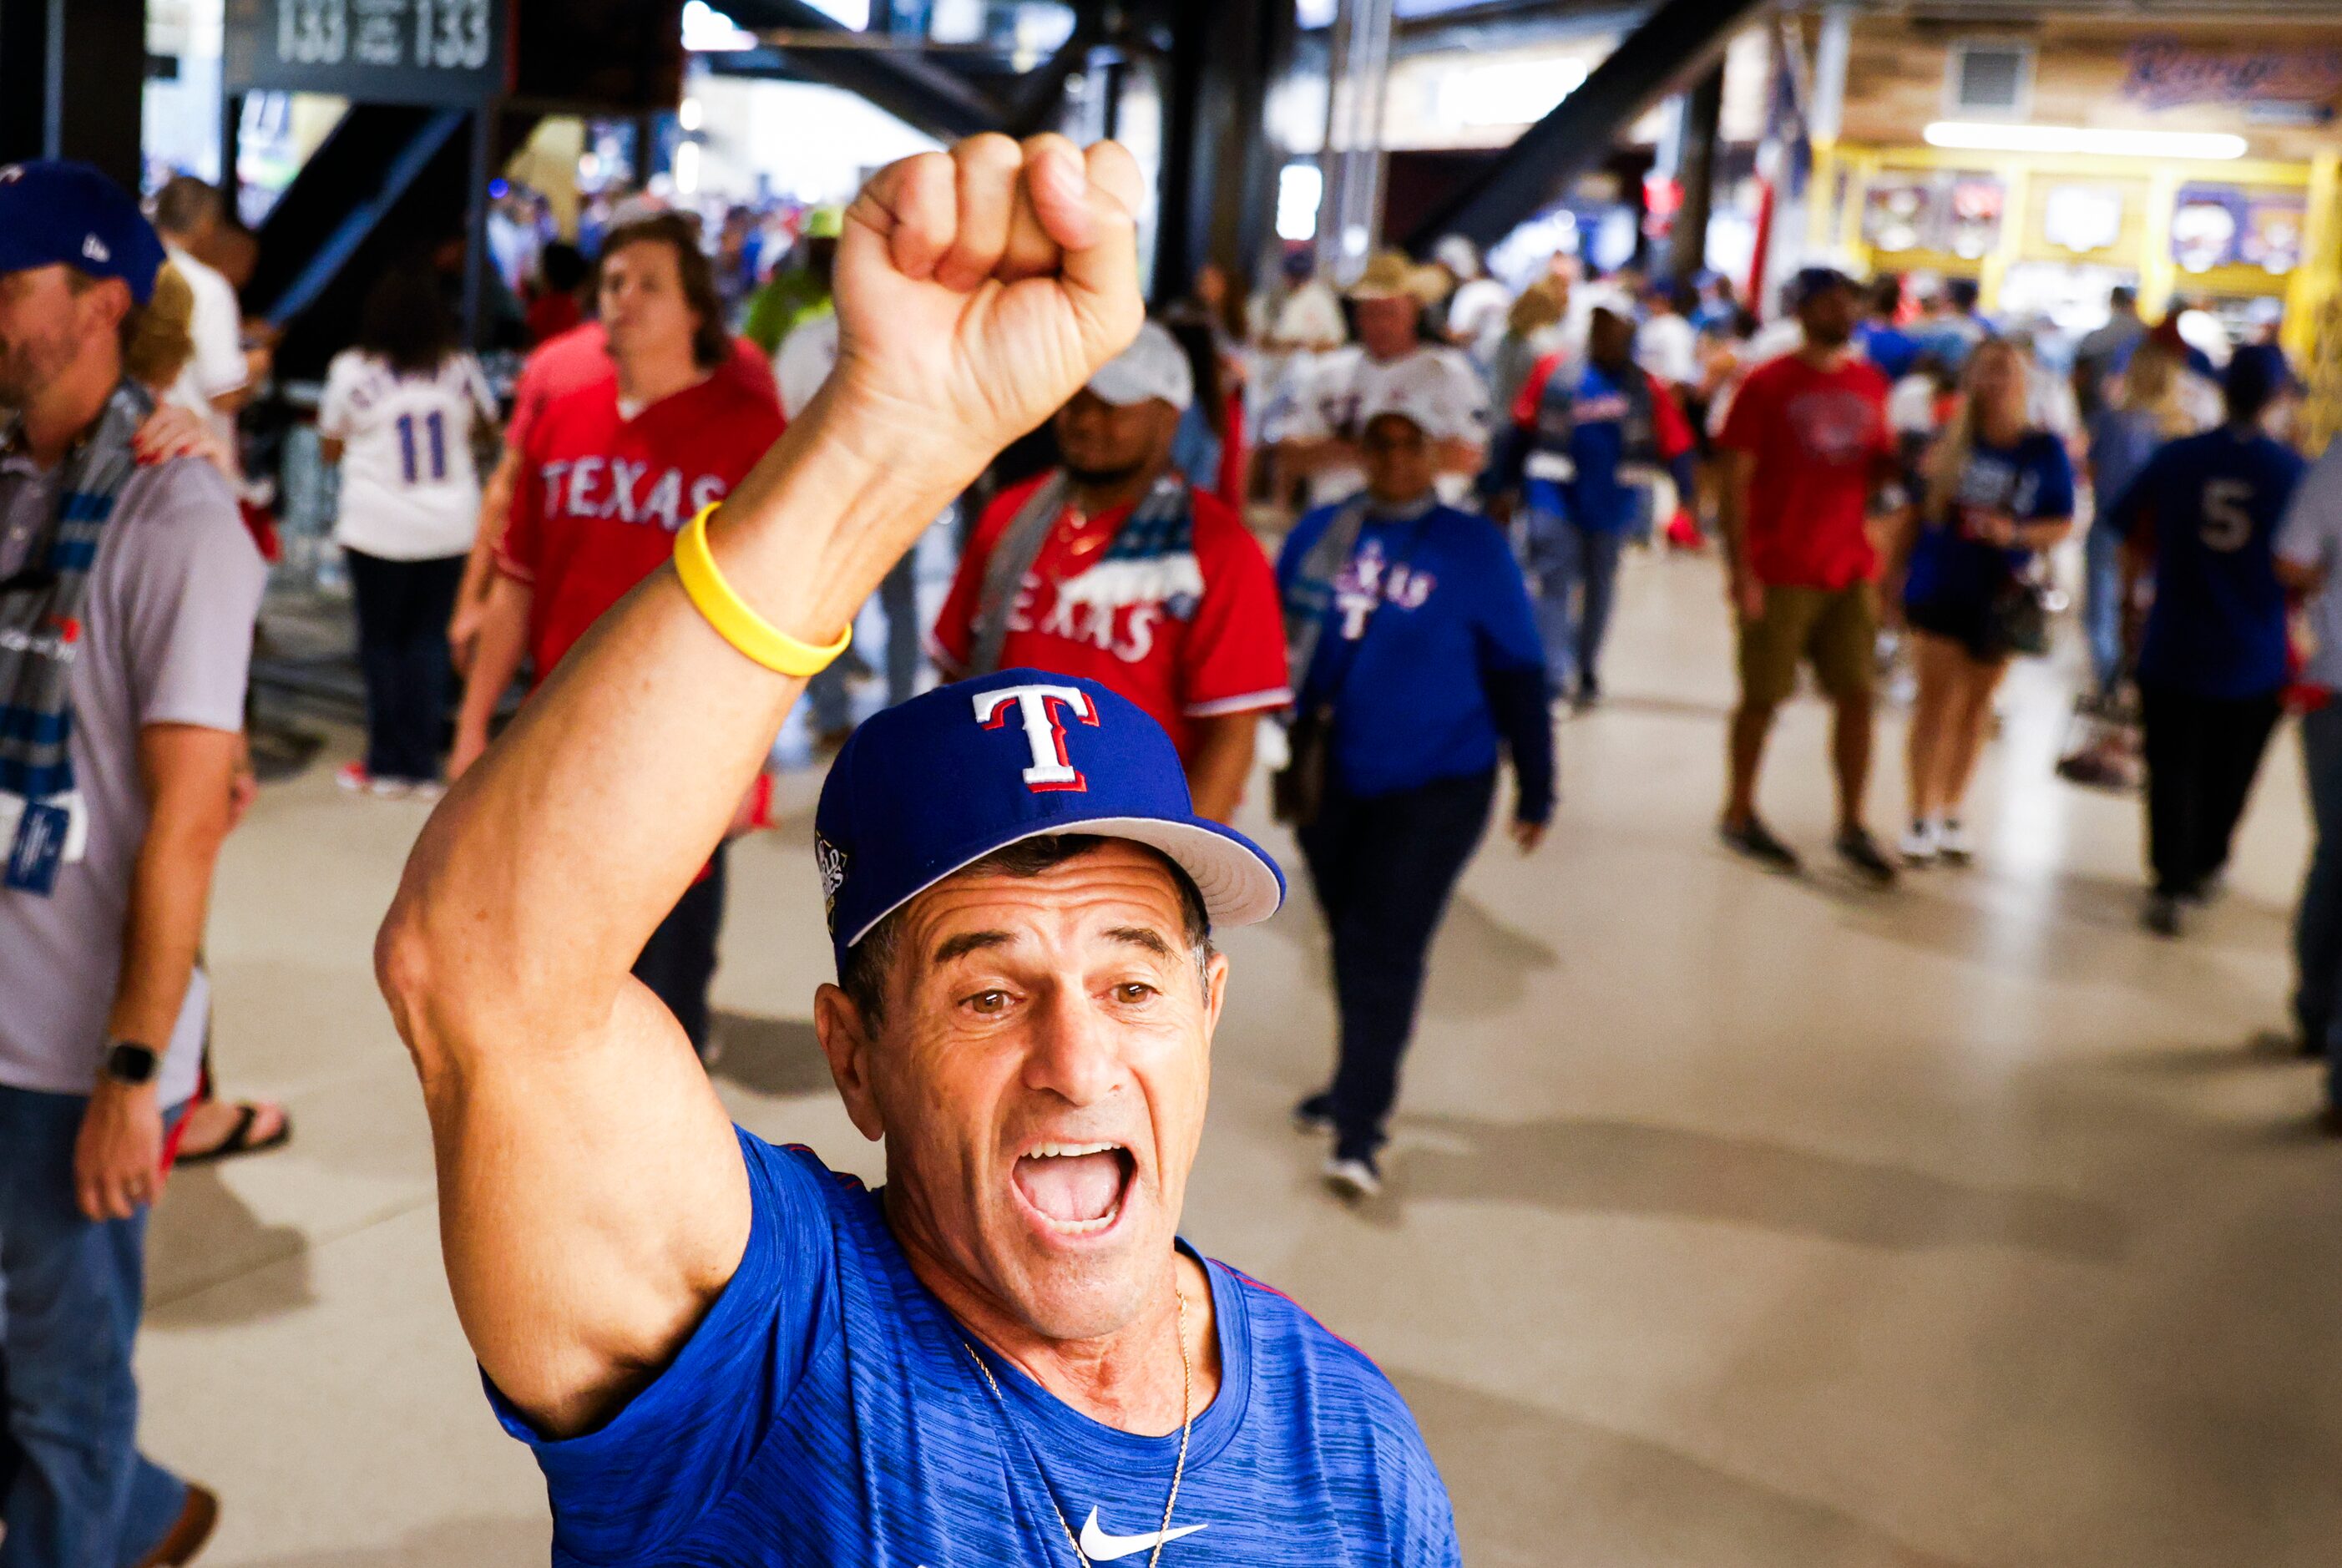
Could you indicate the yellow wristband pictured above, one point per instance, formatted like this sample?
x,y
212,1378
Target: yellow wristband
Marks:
x,y
733,621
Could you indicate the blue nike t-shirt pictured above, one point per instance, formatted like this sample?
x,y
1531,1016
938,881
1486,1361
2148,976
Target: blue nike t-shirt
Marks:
x,y
2212,504
827,1412
2031,481
1598,499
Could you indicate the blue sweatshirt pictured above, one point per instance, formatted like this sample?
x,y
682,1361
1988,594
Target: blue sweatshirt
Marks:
x,y
1435,647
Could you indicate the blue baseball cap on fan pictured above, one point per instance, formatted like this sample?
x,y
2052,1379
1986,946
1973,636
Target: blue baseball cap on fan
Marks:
x,y
56,212
928,788
1810,282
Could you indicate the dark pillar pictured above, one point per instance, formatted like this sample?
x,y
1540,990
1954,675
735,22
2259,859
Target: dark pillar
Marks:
x,y
475,225
231,147
1219,169
1703,113
23,75
71,76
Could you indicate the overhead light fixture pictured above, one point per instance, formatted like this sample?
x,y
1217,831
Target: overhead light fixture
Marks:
x,y
707,31
1978,136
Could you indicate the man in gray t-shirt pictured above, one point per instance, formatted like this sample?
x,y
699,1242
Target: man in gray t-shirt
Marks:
x,y
101,1027
2309,562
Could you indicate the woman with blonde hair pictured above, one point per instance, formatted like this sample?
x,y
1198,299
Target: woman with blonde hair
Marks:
x,y
1998,490
163,340
1528,326
2146,411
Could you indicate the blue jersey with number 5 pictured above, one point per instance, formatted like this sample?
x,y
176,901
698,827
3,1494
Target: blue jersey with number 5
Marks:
x,y
2210,505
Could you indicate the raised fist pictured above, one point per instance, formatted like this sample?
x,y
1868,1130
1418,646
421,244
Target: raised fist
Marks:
x,y
979,289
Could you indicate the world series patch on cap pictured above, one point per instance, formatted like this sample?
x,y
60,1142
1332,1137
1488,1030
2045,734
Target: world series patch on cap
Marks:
x,y
56,211
934,785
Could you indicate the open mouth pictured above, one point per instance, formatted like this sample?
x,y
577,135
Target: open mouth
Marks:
x,y
1077,1188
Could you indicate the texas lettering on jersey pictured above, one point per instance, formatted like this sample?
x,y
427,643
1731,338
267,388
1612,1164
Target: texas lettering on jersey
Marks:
x,y
611,489
1101,608
1369,580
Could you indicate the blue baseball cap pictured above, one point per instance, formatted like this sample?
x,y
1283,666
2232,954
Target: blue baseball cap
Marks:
x,y
56,211
934,785
1811,281
2257,374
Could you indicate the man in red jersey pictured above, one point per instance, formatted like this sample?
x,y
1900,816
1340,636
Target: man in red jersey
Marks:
x,y
574,361
610,473
1806,444
1112,567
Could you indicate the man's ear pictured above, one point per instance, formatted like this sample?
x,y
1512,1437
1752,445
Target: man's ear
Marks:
x,y
1216,989
846,1039
106,302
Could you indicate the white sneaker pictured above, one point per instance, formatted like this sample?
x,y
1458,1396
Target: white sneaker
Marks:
x,y
1922,843
1353,1179
1953,843
429,790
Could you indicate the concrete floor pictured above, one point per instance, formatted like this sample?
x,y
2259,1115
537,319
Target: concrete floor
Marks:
x,y
1737,1221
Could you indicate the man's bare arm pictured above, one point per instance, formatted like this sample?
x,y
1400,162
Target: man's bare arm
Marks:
x,y
497,653
480,566
1731,522
188,775
593,1200
1221,764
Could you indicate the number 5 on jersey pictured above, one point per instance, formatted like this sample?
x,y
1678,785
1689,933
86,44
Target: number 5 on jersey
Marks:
x,y
2227,514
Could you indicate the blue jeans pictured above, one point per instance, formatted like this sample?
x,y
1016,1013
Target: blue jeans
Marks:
x,y
1383,867
898,596
1573,575
403,608
2318,925
77,1491
2102,606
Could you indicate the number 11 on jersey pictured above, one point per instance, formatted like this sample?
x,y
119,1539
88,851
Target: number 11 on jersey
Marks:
x,y
434,428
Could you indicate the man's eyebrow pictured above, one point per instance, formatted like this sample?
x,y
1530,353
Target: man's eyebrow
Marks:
x,y
968,941
1140,936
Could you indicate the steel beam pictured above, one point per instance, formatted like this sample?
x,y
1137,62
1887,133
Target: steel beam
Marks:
x,y
1219,169
1676,42
1703,112
911,89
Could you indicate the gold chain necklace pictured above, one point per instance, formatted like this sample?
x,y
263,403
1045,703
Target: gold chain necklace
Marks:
x,y
1186,1424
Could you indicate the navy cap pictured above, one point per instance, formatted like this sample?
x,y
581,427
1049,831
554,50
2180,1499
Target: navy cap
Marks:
x,y
2257,375
57,211
1811,281
930,787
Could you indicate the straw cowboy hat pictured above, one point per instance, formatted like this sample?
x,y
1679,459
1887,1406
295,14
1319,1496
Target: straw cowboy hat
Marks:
x,y
1389,274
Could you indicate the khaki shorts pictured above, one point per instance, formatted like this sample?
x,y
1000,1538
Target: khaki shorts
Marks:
x,y
1836,629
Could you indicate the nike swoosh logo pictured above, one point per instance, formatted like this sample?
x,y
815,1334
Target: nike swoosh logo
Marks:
x,y
1100,1547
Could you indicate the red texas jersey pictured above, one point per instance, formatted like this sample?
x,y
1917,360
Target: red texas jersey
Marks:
x,y
601,497
1181,657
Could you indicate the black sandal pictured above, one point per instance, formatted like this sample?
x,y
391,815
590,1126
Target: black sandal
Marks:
x,y
240,1141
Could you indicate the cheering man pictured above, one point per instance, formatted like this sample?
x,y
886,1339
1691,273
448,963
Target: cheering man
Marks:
x,y
721,1353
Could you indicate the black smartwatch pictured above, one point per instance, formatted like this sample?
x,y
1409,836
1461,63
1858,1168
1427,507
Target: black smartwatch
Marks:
x,y
127,1061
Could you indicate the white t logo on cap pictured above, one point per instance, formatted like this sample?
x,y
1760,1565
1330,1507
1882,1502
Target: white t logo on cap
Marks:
x,y
1045,731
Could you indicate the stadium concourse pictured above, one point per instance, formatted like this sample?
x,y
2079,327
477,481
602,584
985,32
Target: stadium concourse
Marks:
x,y
1732,1220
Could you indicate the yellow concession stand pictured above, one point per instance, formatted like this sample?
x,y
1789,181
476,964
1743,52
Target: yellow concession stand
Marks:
x,y
2039,231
